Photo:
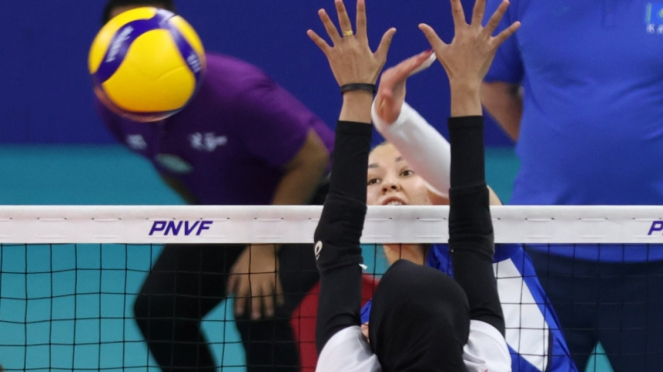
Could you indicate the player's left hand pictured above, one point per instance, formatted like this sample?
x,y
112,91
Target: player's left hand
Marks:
x,y
391,92
350,57
254,280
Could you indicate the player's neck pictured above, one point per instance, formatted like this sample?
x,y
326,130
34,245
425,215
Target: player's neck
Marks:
x,y
411,252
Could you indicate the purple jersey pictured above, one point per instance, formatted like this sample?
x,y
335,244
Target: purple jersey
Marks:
x,y
230,144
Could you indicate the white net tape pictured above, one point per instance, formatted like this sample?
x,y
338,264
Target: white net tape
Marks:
x,y
296,224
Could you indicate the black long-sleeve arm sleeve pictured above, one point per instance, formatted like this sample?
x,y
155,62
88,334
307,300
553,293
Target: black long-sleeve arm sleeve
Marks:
x,y
471,239
337,248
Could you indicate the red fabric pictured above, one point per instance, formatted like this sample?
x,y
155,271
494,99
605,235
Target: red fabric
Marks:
x,y
303,321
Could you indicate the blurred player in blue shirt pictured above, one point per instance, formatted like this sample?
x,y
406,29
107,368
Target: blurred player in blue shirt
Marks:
x,y
580,87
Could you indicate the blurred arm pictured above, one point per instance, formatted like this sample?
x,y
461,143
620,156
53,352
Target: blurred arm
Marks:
x,y
181,190
303,173
505,103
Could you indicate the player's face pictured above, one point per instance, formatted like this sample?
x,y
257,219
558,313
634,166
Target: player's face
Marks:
x,y
391,181
121,9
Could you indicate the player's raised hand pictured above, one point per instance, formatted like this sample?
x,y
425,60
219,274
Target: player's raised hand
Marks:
x,y
391,92
468,57
351,59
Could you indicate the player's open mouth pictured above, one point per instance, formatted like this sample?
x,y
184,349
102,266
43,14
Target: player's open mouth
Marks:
x,y
393,201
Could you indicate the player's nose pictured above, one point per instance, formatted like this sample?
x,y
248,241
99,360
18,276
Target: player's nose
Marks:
x,y
390,184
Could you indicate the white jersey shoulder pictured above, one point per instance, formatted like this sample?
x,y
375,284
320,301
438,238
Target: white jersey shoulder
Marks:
x,y
486,349
348,351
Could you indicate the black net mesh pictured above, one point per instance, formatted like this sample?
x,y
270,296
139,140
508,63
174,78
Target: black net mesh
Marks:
x,y
94,307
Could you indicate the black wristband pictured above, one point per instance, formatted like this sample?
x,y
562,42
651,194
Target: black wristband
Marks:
x,y
358,86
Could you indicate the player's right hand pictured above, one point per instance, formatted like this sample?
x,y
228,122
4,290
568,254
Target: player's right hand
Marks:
x,y
469,56
391,92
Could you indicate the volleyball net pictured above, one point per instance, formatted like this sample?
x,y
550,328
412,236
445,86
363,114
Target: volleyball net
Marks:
x,y
70,278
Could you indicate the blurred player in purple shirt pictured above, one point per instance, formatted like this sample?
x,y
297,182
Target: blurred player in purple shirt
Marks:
x,y
242,140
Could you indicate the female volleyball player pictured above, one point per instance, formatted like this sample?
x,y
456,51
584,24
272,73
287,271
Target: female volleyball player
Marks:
x,y
421,319
403,171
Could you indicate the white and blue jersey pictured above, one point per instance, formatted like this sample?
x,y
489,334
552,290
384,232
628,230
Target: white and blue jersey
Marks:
x,y
533,333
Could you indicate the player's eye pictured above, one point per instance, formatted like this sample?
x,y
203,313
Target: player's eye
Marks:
x,y
372,181
407,173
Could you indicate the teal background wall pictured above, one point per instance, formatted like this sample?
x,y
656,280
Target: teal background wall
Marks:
x,y
111,175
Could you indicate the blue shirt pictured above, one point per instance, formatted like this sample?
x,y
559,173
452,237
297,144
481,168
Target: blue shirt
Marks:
x,y
533,333
592,125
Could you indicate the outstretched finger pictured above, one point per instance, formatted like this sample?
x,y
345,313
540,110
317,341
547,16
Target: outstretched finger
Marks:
x,y
478,12
385,43
361,19
232,284
242,295
458,13
280,297
343,18
320,42
502,36
332,31
256,301
435,42
496,18
267,299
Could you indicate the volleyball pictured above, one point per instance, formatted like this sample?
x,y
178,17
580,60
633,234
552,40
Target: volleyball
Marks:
x,y
146,64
